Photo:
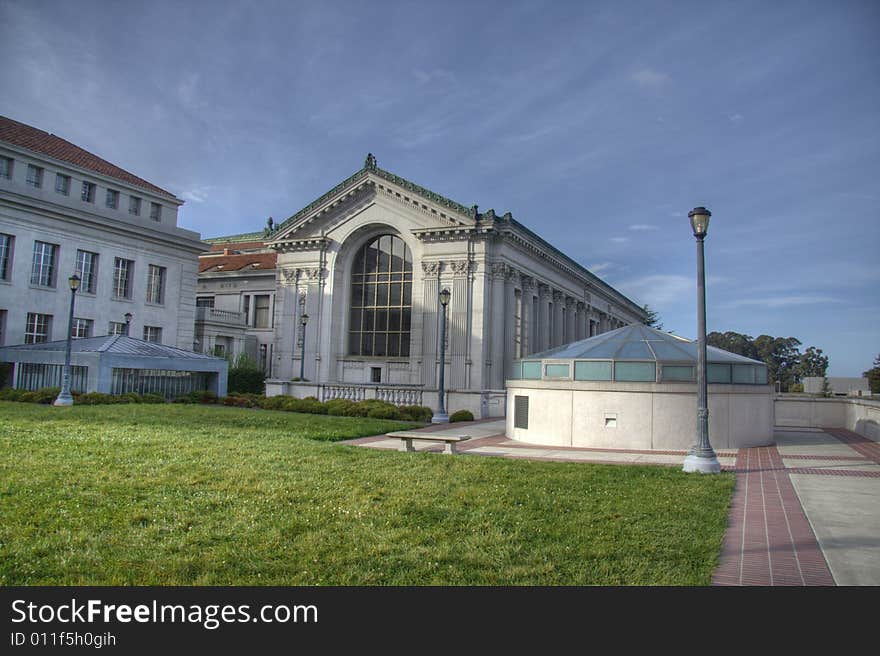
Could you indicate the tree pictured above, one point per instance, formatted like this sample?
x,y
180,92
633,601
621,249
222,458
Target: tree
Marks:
x,y
873,376
652,319
781,356
812,363
733,342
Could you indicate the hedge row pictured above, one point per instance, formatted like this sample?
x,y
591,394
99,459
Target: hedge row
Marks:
x,y
47,395
372,408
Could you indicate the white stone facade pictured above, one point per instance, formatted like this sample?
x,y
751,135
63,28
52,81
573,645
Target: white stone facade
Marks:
x,y
141,228
511,293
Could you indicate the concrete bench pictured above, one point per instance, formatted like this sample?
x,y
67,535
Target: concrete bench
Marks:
x,y
407,437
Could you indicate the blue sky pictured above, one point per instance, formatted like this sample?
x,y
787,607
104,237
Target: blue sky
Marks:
x,y
597,124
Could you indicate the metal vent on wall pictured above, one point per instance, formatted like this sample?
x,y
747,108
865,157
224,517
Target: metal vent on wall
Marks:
x,y
520,412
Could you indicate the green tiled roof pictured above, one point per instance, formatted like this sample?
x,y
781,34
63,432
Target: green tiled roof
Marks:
x,y
234,239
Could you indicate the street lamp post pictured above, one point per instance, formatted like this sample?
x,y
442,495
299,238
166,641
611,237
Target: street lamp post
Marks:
x,y
128,316
64,398
441,417
303,320
701,457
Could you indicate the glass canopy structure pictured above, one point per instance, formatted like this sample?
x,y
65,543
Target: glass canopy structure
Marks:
x,y
637,353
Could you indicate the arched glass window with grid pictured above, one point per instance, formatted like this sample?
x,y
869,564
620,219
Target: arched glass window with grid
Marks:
x,y
381,299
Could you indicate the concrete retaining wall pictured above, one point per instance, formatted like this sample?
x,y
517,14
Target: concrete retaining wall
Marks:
x,y
855,414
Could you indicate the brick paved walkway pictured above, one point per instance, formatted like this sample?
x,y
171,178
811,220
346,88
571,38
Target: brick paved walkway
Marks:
x,y
768,539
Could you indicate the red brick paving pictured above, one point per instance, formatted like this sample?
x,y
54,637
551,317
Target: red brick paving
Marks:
x,y
867,447
769,540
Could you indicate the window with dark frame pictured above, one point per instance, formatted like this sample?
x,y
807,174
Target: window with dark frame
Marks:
x,y
44,264
122,274
153,334
62,184
112,200
381,299
134,205
87,270
155,211
88,192
81,328
156,284
35,176
6,167
36,330
6,245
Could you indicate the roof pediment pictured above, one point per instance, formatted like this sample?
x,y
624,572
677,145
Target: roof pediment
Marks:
x,y
359,190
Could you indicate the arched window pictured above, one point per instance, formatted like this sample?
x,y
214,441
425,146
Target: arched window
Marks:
x,y
381,299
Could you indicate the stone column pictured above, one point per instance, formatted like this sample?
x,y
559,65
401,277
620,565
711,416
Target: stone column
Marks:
x,y
542,343
527,285
511,275
457,329
496,377
582,321
571,319
430,325
286,325
558,300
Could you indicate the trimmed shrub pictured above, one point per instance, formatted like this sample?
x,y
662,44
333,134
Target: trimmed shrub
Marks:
x,y
202,396
245,377
152,398
274,402
388,411
130,397
312,406
238,401
97,398
45,395
9,394
416,413
461,415
339,407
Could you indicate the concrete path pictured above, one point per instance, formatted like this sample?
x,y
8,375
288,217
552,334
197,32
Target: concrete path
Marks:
x,y
805,511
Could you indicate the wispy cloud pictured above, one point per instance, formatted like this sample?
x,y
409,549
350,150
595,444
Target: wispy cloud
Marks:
x,y
620,240
648,77
658,289
644,226
735,118
435,76
780,301
196,195
600,266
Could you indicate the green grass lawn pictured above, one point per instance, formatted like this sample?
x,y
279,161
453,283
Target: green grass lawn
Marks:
x,y
180,495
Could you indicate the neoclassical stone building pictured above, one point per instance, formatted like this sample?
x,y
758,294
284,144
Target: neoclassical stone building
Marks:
x,y
366,262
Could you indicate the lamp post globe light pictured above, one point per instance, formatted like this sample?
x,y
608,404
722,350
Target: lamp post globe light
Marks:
x,y
440,417
303,320
64,397
701,457
127,316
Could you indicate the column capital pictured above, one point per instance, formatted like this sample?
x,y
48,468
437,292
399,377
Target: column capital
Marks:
x,y
432,269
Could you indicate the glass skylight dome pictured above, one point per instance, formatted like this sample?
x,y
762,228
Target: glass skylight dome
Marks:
x,y
637,353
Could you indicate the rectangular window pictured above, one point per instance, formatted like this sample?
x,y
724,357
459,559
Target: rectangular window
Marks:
x,y
87,270
677,372
264,358
375,374
2,329
122,276
744,374
62,184
6,167
44,264
116,328
88,192
112,199
718,373
37,328
521,412
6,244
219,350
134,205
635,371
246,309
155,211
205,301
152,334
156,284
556,371
35,176
81,328
261,311
531,370
592,370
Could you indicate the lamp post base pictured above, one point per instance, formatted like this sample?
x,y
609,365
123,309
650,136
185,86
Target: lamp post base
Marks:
x,y
440,418
703,463
63,400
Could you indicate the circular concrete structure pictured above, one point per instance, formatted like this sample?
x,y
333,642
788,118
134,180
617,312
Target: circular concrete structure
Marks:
x,y
635,388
